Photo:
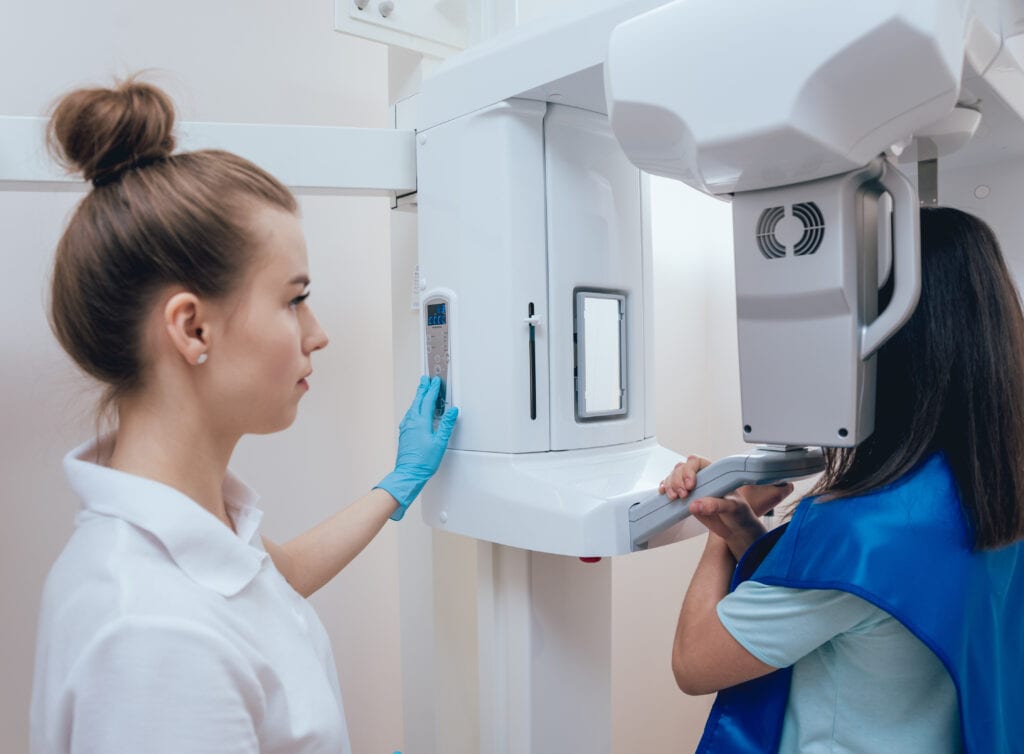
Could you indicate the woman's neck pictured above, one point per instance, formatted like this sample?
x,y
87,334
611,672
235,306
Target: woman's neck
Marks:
x,y
173,446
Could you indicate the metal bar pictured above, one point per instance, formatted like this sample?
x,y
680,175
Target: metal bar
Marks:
x,y
360,160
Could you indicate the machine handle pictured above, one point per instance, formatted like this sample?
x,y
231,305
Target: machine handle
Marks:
x,y
906,263
658,513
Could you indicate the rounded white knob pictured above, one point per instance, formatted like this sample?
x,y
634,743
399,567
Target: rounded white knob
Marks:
x,y
361,4
386,8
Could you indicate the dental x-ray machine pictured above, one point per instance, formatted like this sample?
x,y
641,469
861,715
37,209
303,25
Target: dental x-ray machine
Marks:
x,y
535,251
814,119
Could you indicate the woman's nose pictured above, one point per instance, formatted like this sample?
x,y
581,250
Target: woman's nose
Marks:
x,y
315,337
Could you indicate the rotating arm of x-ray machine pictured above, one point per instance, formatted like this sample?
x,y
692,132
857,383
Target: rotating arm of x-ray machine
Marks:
x,y
814,92
811,96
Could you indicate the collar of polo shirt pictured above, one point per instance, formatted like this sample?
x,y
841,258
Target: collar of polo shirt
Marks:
x,y
200,544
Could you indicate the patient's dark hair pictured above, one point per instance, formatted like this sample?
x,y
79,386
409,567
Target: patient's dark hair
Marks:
x,y
952,380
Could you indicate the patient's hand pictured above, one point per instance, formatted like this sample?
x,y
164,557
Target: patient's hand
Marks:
x,y
683,478
734,518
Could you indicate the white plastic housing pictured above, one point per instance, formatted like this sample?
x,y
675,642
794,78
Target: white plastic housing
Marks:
x,y
595,242
522,205
808,272
482,235
572,503
730,96
556,58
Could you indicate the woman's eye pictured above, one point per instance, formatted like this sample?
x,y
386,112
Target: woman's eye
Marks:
x,y
298,299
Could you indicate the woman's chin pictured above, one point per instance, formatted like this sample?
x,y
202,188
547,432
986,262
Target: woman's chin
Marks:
x,y
270,425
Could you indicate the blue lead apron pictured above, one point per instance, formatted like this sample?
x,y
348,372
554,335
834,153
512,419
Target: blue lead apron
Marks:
x,y
907,550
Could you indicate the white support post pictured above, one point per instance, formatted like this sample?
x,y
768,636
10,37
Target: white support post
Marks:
x,y
504,646
544,635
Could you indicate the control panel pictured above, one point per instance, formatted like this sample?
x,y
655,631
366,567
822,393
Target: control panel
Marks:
x,y
437,314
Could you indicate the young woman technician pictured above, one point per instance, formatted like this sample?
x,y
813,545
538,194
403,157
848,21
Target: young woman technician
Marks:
x,y
886,616
167,623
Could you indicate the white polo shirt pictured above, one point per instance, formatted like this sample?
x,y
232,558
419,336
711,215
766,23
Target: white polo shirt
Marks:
x,y
161,630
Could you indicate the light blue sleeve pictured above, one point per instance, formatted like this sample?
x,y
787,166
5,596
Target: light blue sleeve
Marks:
x,y
779,625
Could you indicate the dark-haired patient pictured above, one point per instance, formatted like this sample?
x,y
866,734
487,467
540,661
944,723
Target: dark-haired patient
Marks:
x,y
886,615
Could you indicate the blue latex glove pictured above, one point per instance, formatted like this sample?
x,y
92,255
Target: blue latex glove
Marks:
x,y
420,447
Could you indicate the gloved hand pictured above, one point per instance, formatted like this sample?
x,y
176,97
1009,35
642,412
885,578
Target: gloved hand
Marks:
x,y
420,447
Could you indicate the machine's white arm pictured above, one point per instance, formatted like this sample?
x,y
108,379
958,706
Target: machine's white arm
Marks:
x,y
906,264
729,96
800,99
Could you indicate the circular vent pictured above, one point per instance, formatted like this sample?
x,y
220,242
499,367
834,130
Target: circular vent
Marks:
x,y
814,228
766,240
810,217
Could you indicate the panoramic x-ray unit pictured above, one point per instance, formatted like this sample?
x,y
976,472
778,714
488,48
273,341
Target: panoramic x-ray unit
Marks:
x,y
534,246
823,124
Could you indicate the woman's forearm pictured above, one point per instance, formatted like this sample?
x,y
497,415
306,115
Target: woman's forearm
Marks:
x,y
318,555
709,585
705,656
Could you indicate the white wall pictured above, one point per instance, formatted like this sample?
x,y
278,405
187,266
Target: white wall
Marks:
x,y
246,61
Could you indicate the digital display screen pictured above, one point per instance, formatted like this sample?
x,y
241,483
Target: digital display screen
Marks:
x,y
437,314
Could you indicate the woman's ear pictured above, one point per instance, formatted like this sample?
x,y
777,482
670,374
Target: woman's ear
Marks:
x,y
183,319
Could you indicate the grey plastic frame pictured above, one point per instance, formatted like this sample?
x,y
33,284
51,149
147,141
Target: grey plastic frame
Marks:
x,y
580,295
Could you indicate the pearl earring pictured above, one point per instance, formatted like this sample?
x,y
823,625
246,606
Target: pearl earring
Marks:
x,y
201,359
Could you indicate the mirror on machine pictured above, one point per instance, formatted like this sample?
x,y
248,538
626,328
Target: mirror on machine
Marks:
x,y
600,354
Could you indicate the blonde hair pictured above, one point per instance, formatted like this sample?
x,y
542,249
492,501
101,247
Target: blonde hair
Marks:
x,y
153,219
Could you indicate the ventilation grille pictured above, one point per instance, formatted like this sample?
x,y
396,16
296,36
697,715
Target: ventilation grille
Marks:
x,y
814,228
809,215
766,240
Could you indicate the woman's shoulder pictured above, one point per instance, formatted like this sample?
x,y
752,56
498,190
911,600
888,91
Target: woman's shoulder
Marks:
x,y
110,569
913,532
830,539
114,593
924,498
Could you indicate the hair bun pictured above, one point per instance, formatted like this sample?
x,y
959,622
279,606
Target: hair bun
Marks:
x,y
103,132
